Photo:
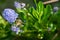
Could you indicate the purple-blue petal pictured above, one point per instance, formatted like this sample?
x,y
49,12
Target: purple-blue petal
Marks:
x,y
10,15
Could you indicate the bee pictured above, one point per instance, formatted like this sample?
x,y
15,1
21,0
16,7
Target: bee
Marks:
x,y
18,22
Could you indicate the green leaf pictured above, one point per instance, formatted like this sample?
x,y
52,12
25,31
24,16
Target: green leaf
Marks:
x,y
47,13
2,21
40,9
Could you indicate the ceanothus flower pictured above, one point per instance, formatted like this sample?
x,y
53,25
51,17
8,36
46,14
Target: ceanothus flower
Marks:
x,y
55,9
16,29
19,5
10,15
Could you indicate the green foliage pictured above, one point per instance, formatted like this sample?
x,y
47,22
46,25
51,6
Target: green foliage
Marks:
x,y
38,23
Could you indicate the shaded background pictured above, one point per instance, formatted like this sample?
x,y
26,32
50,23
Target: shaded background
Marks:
x,y
10,3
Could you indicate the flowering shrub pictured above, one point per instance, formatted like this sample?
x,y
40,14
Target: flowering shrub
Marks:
x,y
34,23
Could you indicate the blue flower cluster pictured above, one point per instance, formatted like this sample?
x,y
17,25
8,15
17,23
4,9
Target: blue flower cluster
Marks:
x,y
19,5
10,15
16,29
55,9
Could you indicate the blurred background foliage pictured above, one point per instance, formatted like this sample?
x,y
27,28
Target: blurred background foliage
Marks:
x,y
41,23
9,4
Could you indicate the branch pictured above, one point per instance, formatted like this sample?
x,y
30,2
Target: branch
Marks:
x,y
51,1
55,36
